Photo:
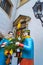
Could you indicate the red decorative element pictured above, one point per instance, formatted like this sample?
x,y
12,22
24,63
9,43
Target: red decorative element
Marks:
x,y
2,44
27,62
18,33
18,54
21,45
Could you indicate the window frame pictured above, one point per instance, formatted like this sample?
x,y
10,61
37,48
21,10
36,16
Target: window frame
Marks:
x,y
10,10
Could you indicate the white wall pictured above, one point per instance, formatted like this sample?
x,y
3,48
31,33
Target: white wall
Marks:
x,y
36,30
5,21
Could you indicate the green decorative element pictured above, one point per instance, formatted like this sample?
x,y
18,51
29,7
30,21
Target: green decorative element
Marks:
x,y
12,45
26,31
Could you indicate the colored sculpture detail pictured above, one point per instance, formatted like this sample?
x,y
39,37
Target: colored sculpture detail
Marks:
x,y
3,42
9,52
26,45
27,51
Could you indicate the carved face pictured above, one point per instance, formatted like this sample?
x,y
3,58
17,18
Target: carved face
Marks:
x,y
10,35
24,34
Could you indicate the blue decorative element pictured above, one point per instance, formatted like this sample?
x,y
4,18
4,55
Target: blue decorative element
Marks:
x,y
28,50
2,56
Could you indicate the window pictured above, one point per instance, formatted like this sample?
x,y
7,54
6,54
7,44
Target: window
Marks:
x,y
6,5
21,2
